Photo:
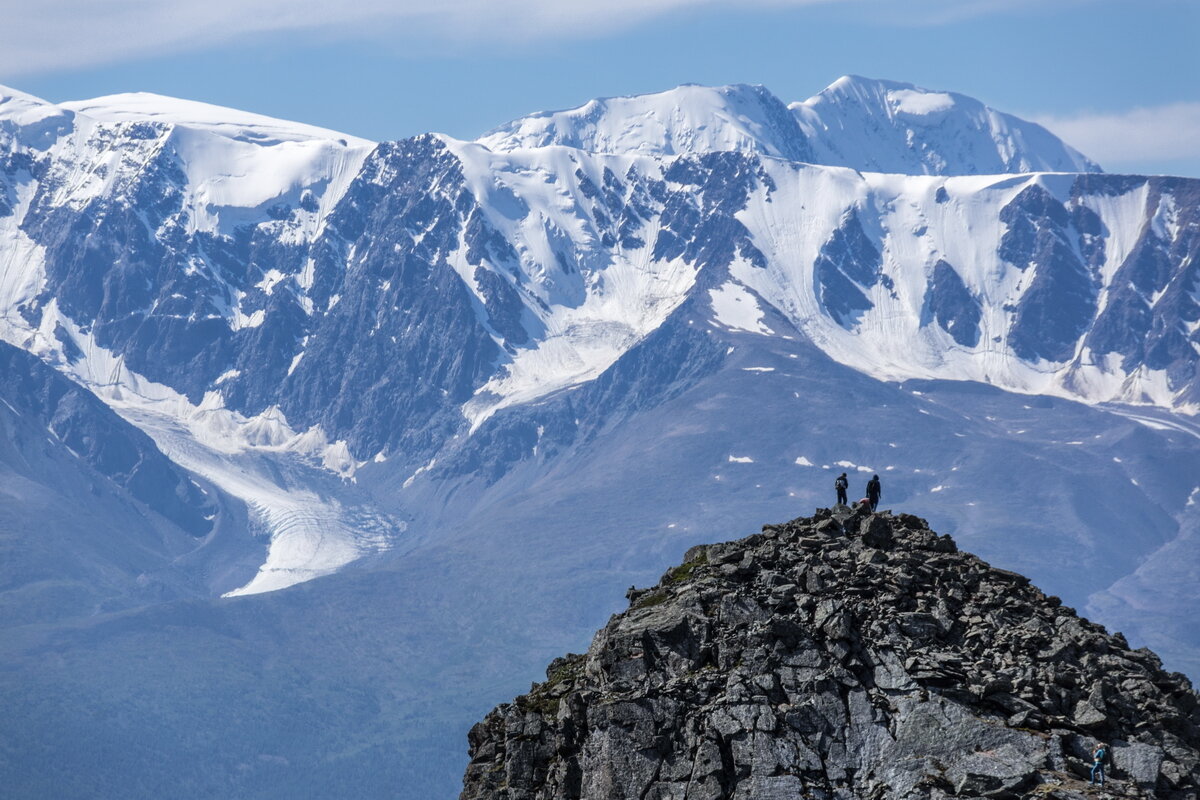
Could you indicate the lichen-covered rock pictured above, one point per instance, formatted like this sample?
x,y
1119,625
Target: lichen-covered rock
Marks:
x,y
835,657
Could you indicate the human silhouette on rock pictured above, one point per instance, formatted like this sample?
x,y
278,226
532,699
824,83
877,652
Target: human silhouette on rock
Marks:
x,y
873,492
842,484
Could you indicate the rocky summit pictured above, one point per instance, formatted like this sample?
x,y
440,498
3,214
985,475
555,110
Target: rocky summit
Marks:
x,y
845,655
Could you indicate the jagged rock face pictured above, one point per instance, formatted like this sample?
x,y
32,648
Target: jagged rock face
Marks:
x,y
1062,297
951,305
842,656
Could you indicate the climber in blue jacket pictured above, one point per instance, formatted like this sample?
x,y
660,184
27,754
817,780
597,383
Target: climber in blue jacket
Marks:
x,y
1098,757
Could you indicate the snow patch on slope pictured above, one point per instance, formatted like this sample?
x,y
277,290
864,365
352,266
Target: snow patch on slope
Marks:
x,y
737,308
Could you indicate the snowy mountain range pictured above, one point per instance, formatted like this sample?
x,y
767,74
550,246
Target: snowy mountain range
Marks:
x,y
477,387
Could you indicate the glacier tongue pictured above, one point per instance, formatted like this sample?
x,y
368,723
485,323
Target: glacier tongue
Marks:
x,y
297,486
317,524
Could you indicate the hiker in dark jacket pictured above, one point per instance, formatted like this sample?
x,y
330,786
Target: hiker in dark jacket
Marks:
x,y
873,492
842,484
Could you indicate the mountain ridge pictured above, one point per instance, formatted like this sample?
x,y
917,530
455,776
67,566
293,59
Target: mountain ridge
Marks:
x,y
847,654
866,124
239,295
876,125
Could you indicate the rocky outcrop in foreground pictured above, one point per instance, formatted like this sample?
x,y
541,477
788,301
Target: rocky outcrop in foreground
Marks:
x,y
842,656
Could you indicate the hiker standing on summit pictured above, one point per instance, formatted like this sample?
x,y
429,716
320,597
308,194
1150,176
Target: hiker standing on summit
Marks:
x,y
873,492
842,484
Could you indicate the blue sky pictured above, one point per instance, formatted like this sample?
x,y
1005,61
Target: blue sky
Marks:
x,y
1118,80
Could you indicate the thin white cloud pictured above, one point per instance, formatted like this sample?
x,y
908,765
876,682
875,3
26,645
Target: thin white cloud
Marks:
x,y
50,35
1141,136
39,36
947,12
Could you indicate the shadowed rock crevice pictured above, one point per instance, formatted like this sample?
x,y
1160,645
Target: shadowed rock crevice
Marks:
x,y
842,656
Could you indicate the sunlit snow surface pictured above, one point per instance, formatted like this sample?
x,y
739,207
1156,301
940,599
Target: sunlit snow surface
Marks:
x,y
590,314
871,125
688,119
234,160
888,126
225,122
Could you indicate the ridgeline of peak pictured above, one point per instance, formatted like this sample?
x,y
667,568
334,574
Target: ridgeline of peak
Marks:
x,y
687,119
842,656
37,122
878,125
862,123
228,122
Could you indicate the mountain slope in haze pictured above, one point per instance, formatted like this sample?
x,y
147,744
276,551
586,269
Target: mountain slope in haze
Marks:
x,y
88,428
93,516
847,654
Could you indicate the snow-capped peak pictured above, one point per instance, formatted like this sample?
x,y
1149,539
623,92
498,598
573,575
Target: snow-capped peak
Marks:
x,y
33,121
887,126
687,119
15,104
237,164
228,122
862,123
